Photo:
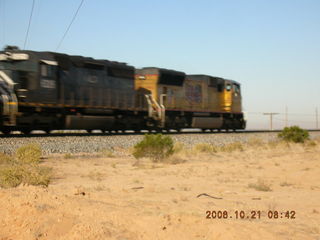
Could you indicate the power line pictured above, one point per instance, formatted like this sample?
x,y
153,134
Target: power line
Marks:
x,y
281,113
74,17
3,9
293,121
25,40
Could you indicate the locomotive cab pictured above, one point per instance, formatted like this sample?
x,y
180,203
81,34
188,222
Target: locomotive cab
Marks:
x,y
230,97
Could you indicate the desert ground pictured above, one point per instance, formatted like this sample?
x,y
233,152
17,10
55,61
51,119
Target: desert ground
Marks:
x,y
108,196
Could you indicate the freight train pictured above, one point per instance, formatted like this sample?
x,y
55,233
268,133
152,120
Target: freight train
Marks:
x,y
50,91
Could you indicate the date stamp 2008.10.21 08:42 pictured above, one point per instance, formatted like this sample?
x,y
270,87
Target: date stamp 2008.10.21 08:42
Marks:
x,y
254,214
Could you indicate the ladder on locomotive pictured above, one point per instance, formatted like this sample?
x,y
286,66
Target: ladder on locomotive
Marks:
x,y
156,111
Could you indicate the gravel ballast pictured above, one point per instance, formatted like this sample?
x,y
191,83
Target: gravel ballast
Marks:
x,y
96,143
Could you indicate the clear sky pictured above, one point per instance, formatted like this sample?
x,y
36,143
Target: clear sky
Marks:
x,y
272,47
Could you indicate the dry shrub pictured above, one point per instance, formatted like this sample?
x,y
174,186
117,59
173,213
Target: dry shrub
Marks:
x,y
5,159
205,148
14,175
260,185
30,153
178,147
24,169
231,147
154,146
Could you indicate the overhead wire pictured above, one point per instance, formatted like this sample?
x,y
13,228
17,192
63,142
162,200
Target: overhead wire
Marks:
x,y
3,16
30,18
68,28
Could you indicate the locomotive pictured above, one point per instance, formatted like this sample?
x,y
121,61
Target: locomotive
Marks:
x,y
50,91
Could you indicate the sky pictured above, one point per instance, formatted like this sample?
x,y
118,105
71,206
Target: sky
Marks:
x,y
272,47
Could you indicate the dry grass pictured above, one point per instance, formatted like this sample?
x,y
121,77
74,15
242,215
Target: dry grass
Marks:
x,y
174,159
311,143
255,142
29,154
95,175
5,159
285,184
260,185
67,156
23,168
14,175
205,148
231,147
107,153
178,147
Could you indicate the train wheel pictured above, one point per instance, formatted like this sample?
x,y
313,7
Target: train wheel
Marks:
x,y
6,131
47,130
26,130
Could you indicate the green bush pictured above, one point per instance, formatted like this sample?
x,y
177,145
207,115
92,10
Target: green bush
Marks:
x,y
155,146
294,134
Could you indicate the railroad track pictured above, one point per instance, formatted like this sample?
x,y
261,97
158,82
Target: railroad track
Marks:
x,y
80,133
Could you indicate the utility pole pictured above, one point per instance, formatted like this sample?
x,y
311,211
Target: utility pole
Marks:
x,y
271,116
317,126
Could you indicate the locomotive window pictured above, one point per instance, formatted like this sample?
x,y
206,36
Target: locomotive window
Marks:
x,y
213,83
24,81
44,70
47,71
236,88
220,87
120,72
228,87
171,79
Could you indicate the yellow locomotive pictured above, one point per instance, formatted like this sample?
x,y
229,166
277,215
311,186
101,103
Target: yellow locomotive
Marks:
x,y
180,101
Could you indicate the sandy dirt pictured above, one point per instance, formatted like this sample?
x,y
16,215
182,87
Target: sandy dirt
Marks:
x,y
95,197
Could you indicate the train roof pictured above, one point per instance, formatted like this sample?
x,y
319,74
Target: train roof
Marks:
x,y
203,77
64,60
155,70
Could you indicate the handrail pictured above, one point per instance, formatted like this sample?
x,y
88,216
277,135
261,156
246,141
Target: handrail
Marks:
x,y
156,110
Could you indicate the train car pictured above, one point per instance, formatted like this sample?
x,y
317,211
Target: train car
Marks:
x,y
191,101
47,90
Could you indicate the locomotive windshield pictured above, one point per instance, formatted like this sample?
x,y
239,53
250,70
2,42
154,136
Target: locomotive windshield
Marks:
x,y
171,79
20,71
